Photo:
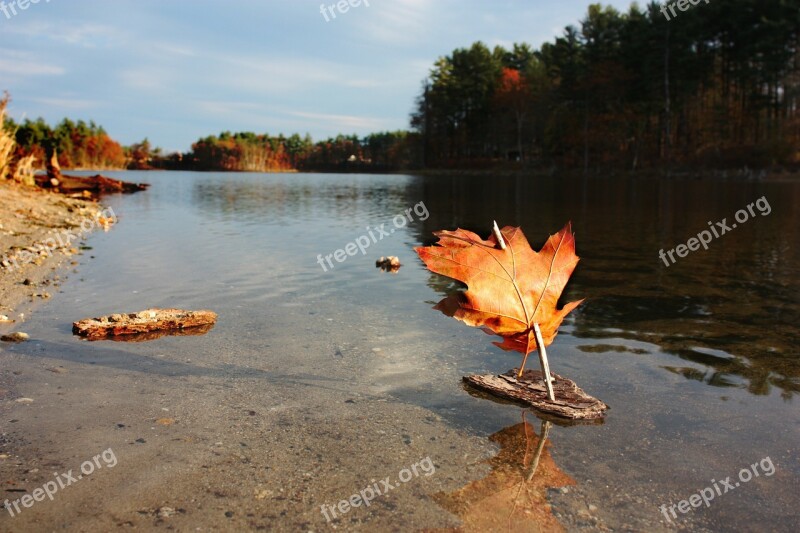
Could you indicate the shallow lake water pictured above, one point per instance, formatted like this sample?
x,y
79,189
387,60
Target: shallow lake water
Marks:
x,y
698,360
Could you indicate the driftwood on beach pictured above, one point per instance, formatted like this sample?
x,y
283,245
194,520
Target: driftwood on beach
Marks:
x,y
149,320
93,184
571,401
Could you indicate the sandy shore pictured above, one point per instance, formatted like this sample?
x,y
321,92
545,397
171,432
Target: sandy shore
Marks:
x,y
40,231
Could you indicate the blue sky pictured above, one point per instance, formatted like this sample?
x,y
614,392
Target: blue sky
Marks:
x,y
177,70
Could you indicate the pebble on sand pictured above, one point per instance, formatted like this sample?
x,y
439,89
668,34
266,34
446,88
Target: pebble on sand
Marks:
x,y
15,337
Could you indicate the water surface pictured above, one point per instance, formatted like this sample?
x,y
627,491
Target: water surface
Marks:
x,y
698,360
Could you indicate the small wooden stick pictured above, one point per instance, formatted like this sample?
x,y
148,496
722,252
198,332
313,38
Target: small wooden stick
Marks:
x,y
500,240
543,361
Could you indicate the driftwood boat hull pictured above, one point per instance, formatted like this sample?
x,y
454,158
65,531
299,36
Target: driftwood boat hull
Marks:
x,y
571,401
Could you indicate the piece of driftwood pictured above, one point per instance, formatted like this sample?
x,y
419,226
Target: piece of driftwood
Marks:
x,y
194,331
571,401
95,185
53,169
142,322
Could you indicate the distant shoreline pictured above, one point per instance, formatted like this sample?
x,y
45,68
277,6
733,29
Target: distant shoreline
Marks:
x,y
743,174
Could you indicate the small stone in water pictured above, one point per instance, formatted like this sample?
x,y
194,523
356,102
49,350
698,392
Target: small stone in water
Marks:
x,y
387,263
15,337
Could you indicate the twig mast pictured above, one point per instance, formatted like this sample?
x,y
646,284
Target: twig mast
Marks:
x,y
537,331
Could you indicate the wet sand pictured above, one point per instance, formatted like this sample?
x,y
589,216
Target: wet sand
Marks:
x,y
27,218
207,446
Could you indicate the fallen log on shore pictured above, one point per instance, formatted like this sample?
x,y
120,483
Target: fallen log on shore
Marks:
x,y
146,321
571,401
95,185
92,185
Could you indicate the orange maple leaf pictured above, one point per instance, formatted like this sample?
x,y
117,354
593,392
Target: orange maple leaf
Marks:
x,y
508,291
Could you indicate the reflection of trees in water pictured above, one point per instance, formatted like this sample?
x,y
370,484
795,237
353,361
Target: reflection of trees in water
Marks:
x,y
513,497
739,300
738,342
293,198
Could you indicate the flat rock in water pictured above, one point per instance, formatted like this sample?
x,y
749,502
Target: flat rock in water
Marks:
x,y
571,401
143,322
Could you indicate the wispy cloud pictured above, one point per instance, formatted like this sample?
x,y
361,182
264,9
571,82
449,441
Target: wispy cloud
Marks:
x,y
269,117
399,22
72,104
269,74
175,49
343,122
216,107
148,78
26,65
85,35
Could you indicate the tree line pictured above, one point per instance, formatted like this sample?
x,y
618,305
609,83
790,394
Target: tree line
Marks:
x,y
80,145
252,152
77,144
717,86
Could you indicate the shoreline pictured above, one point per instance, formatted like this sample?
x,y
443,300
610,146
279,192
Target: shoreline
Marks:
x,y
768,175
753,175
30,271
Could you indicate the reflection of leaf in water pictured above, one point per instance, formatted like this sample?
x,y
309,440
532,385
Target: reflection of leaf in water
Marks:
x,y
513,497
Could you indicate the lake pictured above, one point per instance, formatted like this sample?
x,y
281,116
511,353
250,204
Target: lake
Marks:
x,y
323,376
